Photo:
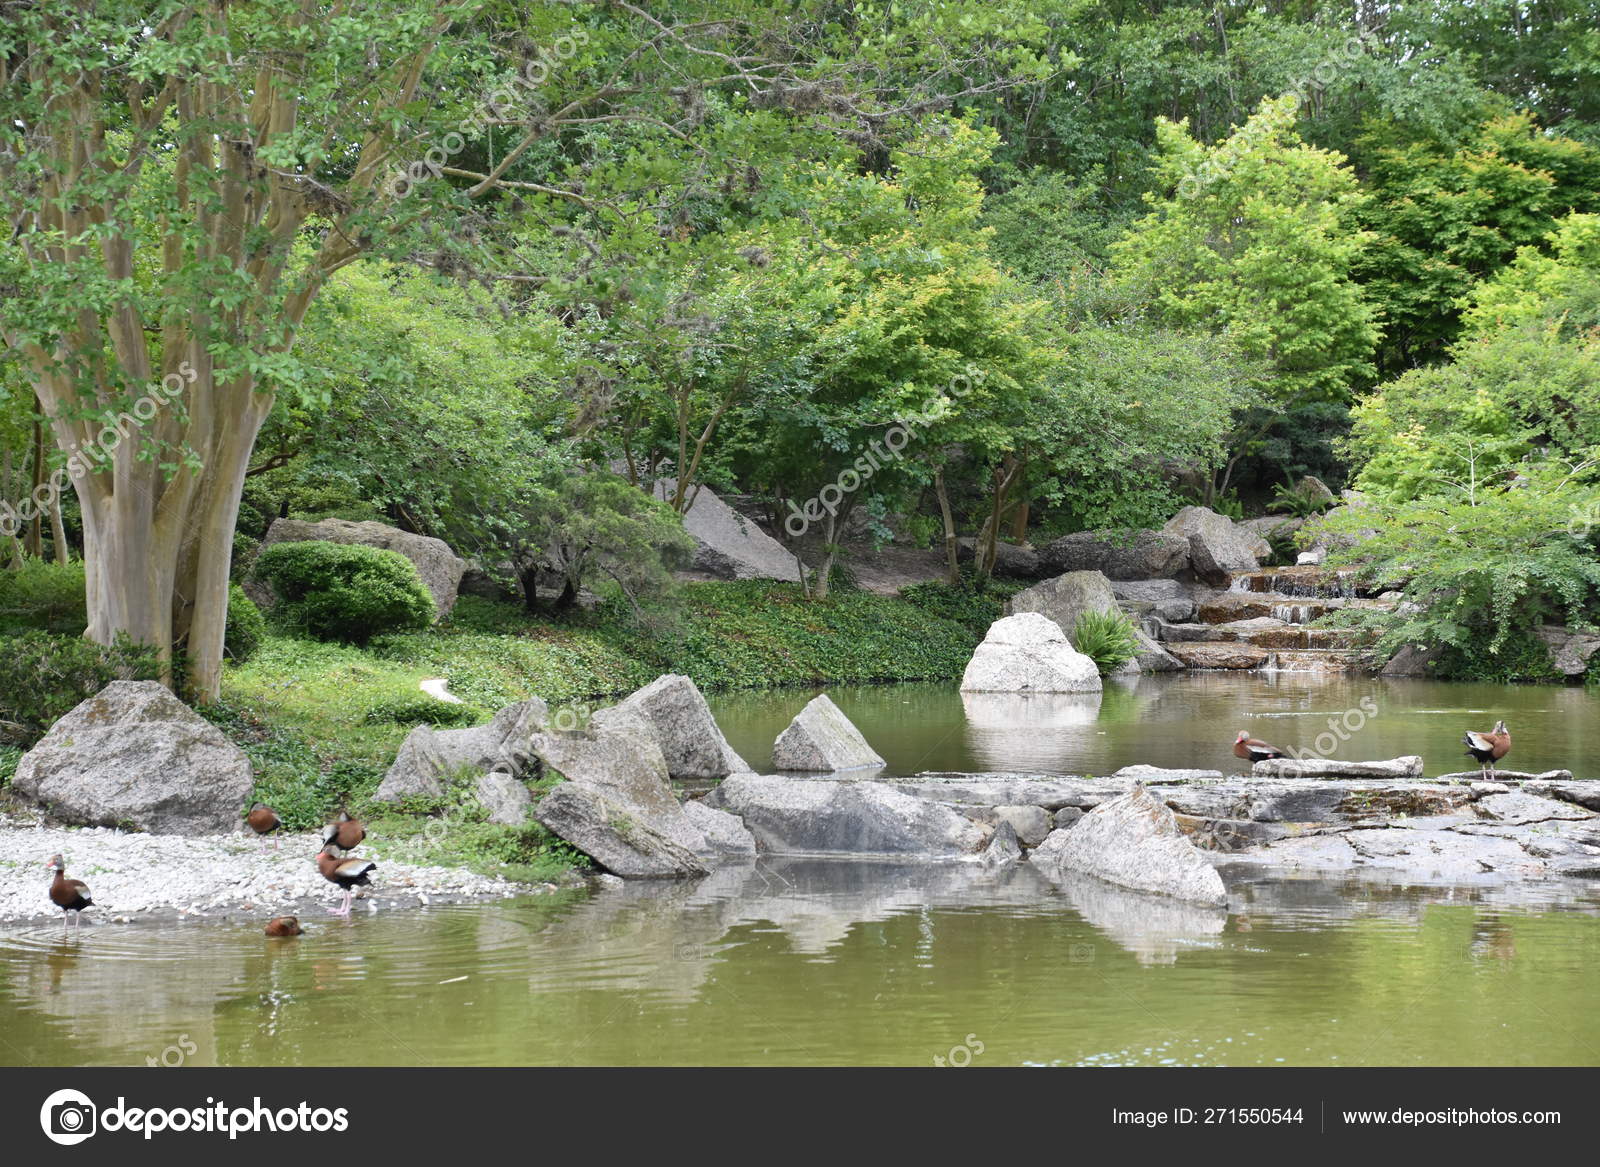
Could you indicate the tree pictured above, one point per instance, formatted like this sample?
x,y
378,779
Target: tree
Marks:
x,y
1251,237
1442,218
180,181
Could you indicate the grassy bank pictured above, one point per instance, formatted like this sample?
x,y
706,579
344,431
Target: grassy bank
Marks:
x,y
321,722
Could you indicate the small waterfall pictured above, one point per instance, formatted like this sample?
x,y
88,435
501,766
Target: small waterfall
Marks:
x,y
1294,613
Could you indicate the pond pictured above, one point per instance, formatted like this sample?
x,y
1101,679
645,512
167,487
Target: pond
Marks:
x,y
838,963
1189,720
811,962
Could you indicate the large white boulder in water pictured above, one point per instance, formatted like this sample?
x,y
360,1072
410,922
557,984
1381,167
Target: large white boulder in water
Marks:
x,y
1028,653
822,739
1134,841
134,754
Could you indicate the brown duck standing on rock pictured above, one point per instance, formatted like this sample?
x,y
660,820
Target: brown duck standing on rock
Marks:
x,y
264,821
70,895
344,833
1254,749
1488,748
348,874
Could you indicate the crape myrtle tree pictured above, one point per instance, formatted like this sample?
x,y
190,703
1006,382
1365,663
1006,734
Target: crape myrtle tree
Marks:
x,y
180,180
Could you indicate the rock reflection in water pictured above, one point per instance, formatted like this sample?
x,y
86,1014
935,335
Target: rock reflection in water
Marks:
x,y
1043,731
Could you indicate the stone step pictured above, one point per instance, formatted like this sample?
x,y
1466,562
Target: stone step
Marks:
x,y
1318,660
1261,631
1243,655
1307,581
1227,607
1213,654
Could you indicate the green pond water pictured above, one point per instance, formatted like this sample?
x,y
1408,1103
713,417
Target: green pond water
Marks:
x,y
808,962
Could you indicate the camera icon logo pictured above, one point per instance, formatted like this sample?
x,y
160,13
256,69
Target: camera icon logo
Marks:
x,y
68,1117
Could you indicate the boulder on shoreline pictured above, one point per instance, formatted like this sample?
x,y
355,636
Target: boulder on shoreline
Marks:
x,y
680,721
790,816
429,757
441,570
1029,653
1135,842
821,739
133,754
616,805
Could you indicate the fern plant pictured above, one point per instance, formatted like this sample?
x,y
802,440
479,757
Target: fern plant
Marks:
x,y
1106,637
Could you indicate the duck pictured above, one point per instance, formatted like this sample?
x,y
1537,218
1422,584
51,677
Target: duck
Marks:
x,y
70,895
344,833
1488,748
349,874
1254,749
283,926
264,821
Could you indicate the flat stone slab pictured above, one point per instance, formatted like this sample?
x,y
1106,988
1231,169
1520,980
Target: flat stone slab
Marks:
x,y
1508,776
1152,775
1406,767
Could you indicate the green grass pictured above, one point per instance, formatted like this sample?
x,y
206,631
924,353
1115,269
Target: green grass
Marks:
x,y
321,722
9,757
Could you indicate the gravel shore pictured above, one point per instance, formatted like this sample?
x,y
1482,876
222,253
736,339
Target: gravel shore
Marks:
x,y
137,876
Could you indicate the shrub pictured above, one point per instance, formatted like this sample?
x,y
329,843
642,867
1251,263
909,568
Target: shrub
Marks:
x,y
420,710
247,628
1108,638
43,596
335,591
9,757
43,676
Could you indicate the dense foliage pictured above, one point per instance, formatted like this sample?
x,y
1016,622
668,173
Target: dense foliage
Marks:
x,y
43,675
333,591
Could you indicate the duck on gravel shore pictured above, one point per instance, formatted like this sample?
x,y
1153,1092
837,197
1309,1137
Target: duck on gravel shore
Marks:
x,y
264,821
349,874
70,895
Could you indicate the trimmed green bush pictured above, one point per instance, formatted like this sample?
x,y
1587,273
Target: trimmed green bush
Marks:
x,y
334,591
42,676
247,627
1107,638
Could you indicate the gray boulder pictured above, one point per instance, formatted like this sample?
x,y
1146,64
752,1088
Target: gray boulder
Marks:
x,y
1216,547
682,725
1135,842
505,798
1412,660
1068,596
440,569
1029,653
134,754
429,757
1004,848
821,738
832,817
604,829
1118,554
729,545
726,834
624,767
1570,652
1031,824
1011,560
